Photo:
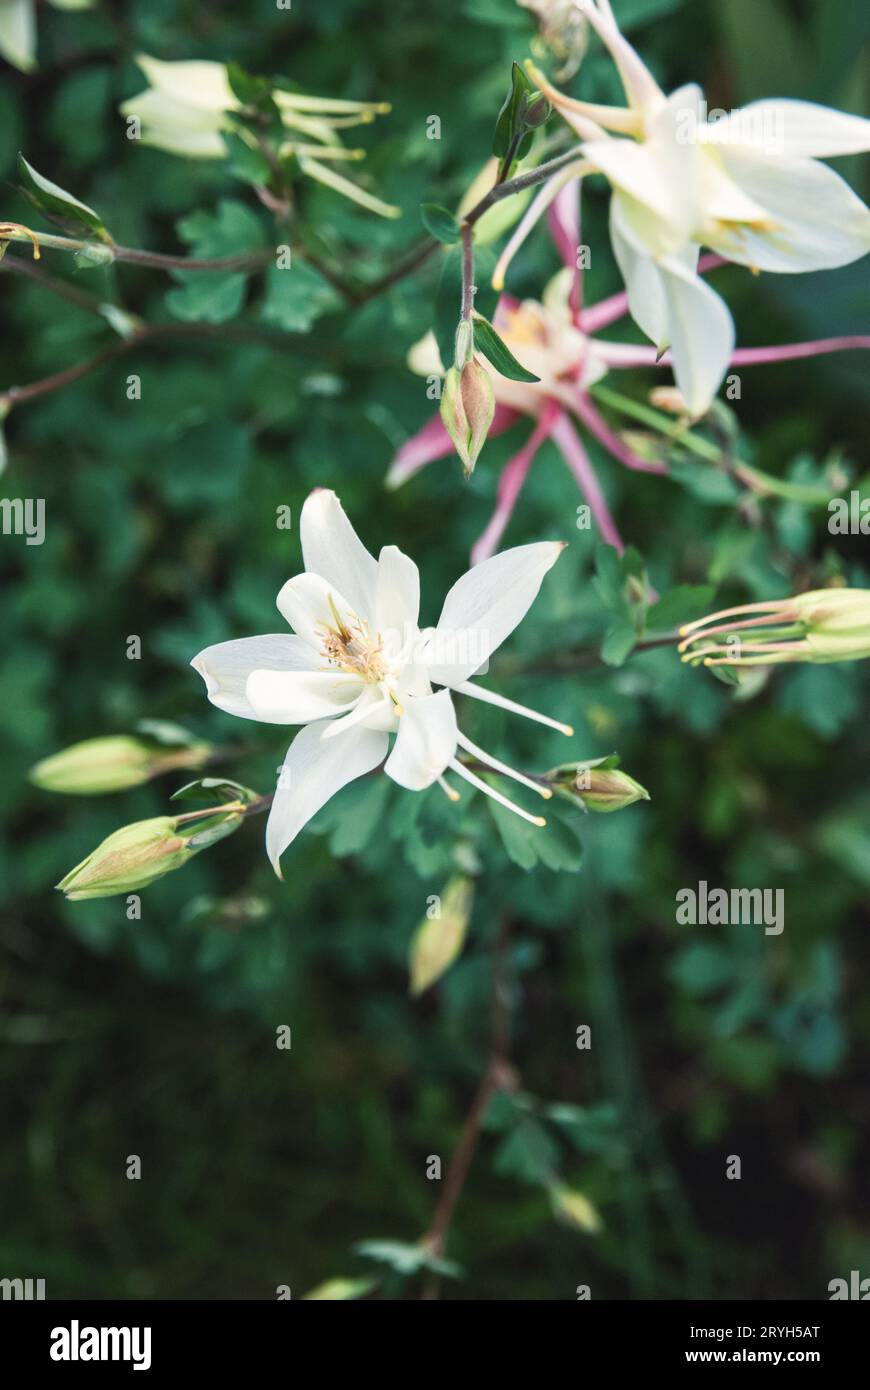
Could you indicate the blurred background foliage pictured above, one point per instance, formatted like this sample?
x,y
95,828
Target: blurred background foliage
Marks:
x,y
157,1037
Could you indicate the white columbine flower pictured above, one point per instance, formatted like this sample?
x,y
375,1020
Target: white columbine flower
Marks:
x,y
748,185
186,108
360,668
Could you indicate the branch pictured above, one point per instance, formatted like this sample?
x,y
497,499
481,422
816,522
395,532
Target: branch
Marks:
x,y
149,333
498,1075
18,266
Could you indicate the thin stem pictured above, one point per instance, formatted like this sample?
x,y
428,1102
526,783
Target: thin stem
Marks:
x,y
468,286
16,265
520,182
598,426
497,1075
154,260
149,333
763,483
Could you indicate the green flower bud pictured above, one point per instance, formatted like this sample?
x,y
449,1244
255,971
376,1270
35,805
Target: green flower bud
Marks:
x,y
467,410
574,1209
837,623
821,626
440,937
129,859
111,764
537,112
598,785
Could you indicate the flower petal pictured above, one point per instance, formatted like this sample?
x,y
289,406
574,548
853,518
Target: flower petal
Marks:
x,y
332,549
297,697
226,666
483,607
397,596
307,602
314,770
701,332
199,83
425,743
510,484
794,128
815,220
647,301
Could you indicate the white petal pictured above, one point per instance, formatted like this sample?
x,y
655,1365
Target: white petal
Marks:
x,y
722,198
198,83
701,332
643,282
332,548
483,607
816,221
425,743
297,697
634,168
660,175
314,770
373,708
225,667
307,602
795,128
397,598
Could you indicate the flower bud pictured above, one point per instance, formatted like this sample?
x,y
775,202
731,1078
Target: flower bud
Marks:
x,y
467,410
820,626
537,112
129,859
598,785
574,1209
837,623
439,938
111,764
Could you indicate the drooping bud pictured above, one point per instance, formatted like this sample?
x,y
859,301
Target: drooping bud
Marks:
x,y
597,785
574,1209
112,764
467,410
439,938
134,856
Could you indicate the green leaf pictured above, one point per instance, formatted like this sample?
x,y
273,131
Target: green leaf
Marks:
x,y
528,1153
556,845
487,341
704,481
405,1258
245,161
296,297
208,790
57,204
509,122
681,605
440,223
619,642
207,296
